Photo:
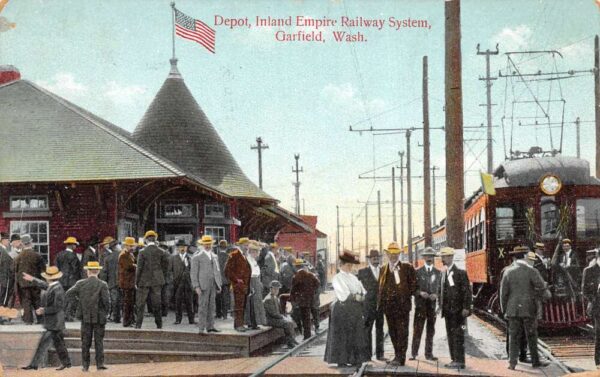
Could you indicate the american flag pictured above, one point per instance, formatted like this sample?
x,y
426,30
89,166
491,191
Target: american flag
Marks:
x,y
195,30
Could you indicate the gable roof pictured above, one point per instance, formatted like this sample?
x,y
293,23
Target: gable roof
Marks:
x,y
175,127
49,139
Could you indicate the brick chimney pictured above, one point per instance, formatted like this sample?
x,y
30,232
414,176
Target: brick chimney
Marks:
x,y
8,73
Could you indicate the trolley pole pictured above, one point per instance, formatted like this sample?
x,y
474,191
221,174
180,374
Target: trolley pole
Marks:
x,y
409,198
488,86
433,169
597,103
352,232
393,204
379,217
401,199
366,229
454,127
426,162
259,147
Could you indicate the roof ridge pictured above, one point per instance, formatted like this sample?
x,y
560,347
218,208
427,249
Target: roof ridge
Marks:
x,y
67,104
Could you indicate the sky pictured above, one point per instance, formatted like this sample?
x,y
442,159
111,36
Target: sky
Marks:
x,y
111,57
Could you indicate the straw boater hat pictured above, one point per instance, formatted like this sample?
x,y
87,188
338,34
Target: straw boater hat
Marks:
x,y
254,245
531,255
299,262
393,248
151,233
288,248
93,265
274,245
428,252
374,253
349,257
206,240
243,241
71,241
107,240
129,241
52,273
519,250
446,251
538,245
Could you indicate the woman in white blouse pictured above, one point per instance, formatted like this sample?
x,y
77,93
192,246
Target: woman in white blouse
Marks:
x,y
346,339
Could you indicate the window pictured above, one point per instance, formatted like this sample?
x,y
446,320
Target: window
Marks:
x,y
125,230
588,218
549,213
214,210
217,232
178,210
29,203
511,222
39,232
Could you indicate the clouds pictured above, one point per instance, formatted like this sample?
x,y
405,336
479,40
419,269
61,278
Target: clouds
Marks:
x,y
346,99
123,94
65,85
513,38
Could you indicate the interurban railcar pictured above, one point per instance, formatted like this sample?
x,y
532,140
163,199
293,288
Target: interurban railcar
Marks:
x,y
538,199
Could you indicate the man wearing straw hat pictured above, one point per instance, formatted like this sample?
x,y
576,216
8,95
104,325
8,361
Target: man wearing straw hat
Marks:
x,y
152,267
94,300
52,303
70,268
397,284
206,281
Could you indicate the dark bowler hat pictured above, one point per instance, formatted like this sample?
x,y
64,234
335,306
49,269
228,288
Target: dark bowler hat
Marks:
x,y
15,237
275,284
428,252
519,250
349,257
374,253
94,240
181,242
4,236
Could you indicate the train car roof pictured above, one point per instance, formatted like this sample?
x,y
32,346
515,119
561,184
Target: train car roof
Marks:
x,y
529,171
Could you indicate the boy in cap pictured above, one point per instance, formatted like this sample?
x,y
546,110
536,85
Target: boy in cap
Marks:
x,y
275,318
369,277
52,303
94,300
70,267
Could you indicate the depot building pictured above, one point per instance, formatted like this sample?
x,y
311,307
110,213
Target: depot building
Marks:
x,y
67,172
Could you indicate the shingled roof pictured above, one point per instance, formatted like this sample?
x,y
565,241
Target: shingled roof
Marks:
x,y
49,139
176,128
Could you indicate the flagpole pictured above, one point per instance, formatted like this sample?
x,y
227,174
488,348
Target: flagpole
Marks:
x,y
173,21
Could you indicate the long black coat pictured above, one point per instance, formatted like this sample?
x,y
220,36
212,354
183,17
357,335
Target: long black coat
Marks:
x,y
177,269
94,299
53,302
68,263
589,287
458,297
371,284
7,269
31,262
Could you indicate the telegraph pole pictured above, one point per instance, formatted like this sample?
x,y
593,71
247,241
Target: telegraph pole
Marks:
x,y
454,127
401,199
337,240
577,129
426,170
597,103
433,169
409,198
352,232
367,229
394,203
488,86
297,183
379,216
259,147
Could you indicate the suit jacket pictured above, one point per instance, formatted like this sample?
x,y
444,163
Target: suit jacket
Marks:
x,y
31,262
179,271
68,263
371,284
205,271
7,269
126,270
53,302
152,266
269,270
222,257
94,299
457,297
521,285
304,287
287,273
396,296
272,309
429,283
110,269
589,287
238,271
89,255
562,259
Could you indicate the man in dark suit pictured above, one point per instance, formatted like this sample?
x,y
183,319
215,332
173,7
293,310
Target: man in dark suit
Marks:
x,y
152,267
70,267
110,274
369,277
397,285
270,268
90,254
275,318
590,289
455,302
179,269
568,258
51,307
7,273
541,262
238,272
223,297
32,263
127,279
428,290
94,300
520,288
304,287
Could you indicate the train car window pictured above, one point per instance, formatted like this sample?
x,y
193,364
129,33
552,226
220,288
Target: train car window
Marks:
x,y
549,213
510,222
588,218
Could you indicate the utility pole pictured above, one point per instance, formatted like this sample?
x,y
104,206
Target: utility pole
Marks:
x,y
426,163
259,147
401,199
297,183
597,102
352,232
303,207
379,216
433,169
367,229
394,203
577,129
454,127
409,198
488,86
337,239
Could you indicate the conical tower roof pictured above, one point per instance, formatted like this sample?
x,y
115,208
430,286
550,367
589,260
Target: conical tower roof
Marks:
x,y
176,128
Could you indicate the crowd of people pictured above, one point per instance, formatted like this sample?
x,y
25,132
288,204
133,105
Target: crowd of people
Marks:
x,y
118,281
